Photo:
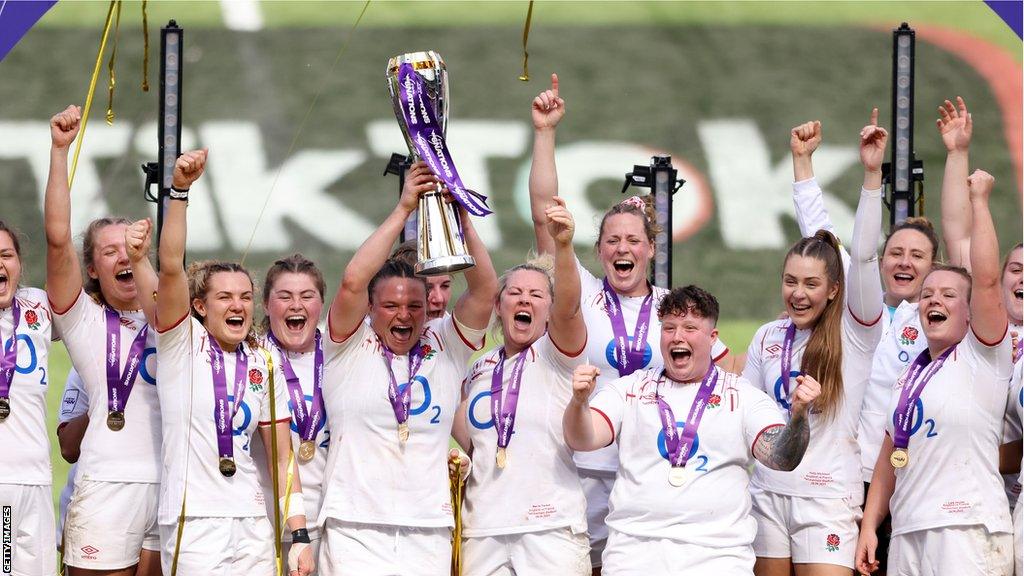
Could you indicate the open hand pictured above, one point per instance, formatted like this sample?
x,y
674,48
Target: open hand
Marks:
x,y
955,125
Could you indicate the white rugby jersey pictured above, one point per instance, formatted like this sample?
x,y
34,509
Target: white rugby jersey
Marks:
x,y
371,477
1012,421
952,478
539,488
25,457
73,404
131,454
713,508
190,453
600,350
312,472
831,466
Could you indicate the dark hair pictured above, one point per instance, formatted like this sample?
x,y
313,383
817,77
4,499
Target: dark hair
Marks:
x,y
407,251
92,285
690,300
15,240
294,264
823,356
958,270
629,206
920,224
199,274
393,268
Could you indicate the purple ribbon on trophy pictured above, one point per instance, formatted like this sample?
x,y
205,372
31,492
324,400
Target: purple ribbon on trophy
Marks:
x,y
428,138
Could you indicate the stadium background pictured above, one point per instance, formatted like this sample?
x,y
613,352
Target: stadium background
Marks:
x,y
717,85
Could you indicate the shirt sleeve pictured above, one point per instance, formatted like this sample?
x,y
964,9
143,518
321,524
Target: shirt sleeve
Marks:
x,y
811,215
759,412
75,401
458,339
610,403
74,321
334,349
718,350
557,359
1012,429
176,340
997,356
863,279
752,368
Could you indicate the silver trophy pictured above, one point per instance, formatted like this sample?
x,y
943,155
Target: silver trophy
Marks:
x,y
440,244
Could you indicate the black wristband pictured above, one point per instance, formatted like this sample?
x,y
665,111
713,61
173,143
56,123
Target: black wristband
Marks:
x,y
300,536
178,194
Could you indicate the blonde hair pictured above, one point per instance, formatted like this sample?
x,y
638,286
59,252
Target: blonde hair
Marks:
x,y
640,206
540,263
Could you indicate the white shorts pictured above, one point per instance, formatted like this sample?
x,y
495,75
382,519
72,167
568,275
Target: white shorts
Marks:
x,y
806,530
109,523
556,551
1018,539
314,545
640,556
597,486
28,545
220,547
354,549
960,550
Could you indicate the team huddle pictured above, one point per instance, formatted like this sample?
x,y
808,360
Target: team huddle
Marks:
x,y
874,427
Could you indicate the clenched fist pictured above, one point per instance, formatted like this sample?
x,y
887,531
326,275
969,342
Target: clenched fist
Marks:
x,y
137,239
64,127
584,379
807,391
188,168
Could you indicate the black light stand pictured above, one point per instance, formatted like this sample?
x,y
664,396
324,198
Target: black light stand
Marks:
x,y
660,177
399,165
903,175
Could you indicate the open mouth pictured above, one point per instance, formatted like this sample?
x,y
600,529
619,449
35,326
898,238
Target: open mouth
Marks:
x,y
295,323
680,353
799,308
125,276
623,265
235,322
522,320
1018,294
402,332
935,317
902,279
3,281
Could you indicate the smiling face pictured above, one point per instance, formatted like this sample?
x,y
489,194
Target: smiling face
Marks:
x,y
625,253
806,290
111,268
398,310
523,308
944,308
1013,288
10,269
686,341
293,306
227,307
439,292
905,263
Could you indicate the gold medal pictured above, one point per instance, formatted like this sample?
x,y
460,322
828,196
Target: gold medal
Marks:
x,y
5,408
307,449
227,467
899,458
501,458
403,432
115,420
677,476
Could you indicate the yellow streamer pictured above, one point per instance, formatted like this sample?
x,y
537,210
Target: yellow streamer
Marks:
x,y
275,475
110,67
145,49
92,90
302,125
526,36
458,489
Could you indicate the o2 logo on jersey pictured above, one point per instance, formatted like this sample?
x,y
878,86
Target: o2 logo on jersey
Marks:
x,y
919,421
144,373
424,405
609,354
25,344
701,461
319,426
246,414
780,391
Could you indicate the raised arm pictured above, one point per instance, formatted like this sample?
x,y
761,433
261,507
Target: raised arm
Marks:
x,y
988,315
782,447
474,307
172,301
137,239
547,112
811,215
63,274
864,283
567,329
955,127
584,430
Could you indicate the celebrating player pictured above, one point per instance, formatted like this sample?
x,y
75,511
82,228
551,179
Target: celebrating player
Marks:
x,y
214,394
439,288
686,433
524,507
392,389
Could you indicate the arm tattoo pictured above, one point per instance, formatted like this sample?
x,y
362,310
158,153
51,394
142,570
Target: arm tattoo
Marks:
x,y
782,447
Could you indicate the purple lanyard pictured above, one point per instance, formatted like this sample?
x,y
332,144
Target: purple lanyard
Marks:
x,y
787,356
400,400
917,377
306,423
118,379
427,136
9,361
504,412
678,445
631,358
221,416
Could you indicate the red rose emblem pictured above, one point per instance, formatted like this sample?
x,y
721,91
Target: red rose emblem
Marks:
x,y
31,317
832,542
255,376
714,400
910,333
426,349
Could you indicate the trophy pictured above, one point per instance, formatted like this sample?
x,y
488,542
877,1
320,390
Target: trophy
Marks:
x,y
418,83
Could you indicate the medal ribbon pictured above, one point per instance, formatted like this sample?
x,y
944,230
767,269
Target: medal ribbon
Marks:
x,y
118,379
504,412
9,361
678,445
221,416
306,422
787,356
400,400
631,358
427,136
917,377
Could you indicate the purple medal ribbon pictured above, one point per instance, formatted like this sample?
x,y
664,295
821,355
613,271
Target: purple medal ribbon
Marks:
x,y
306,422
9,361
631,358
504,412
428,138
400,400
678,445
118,379
787,356
917,377
222,413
